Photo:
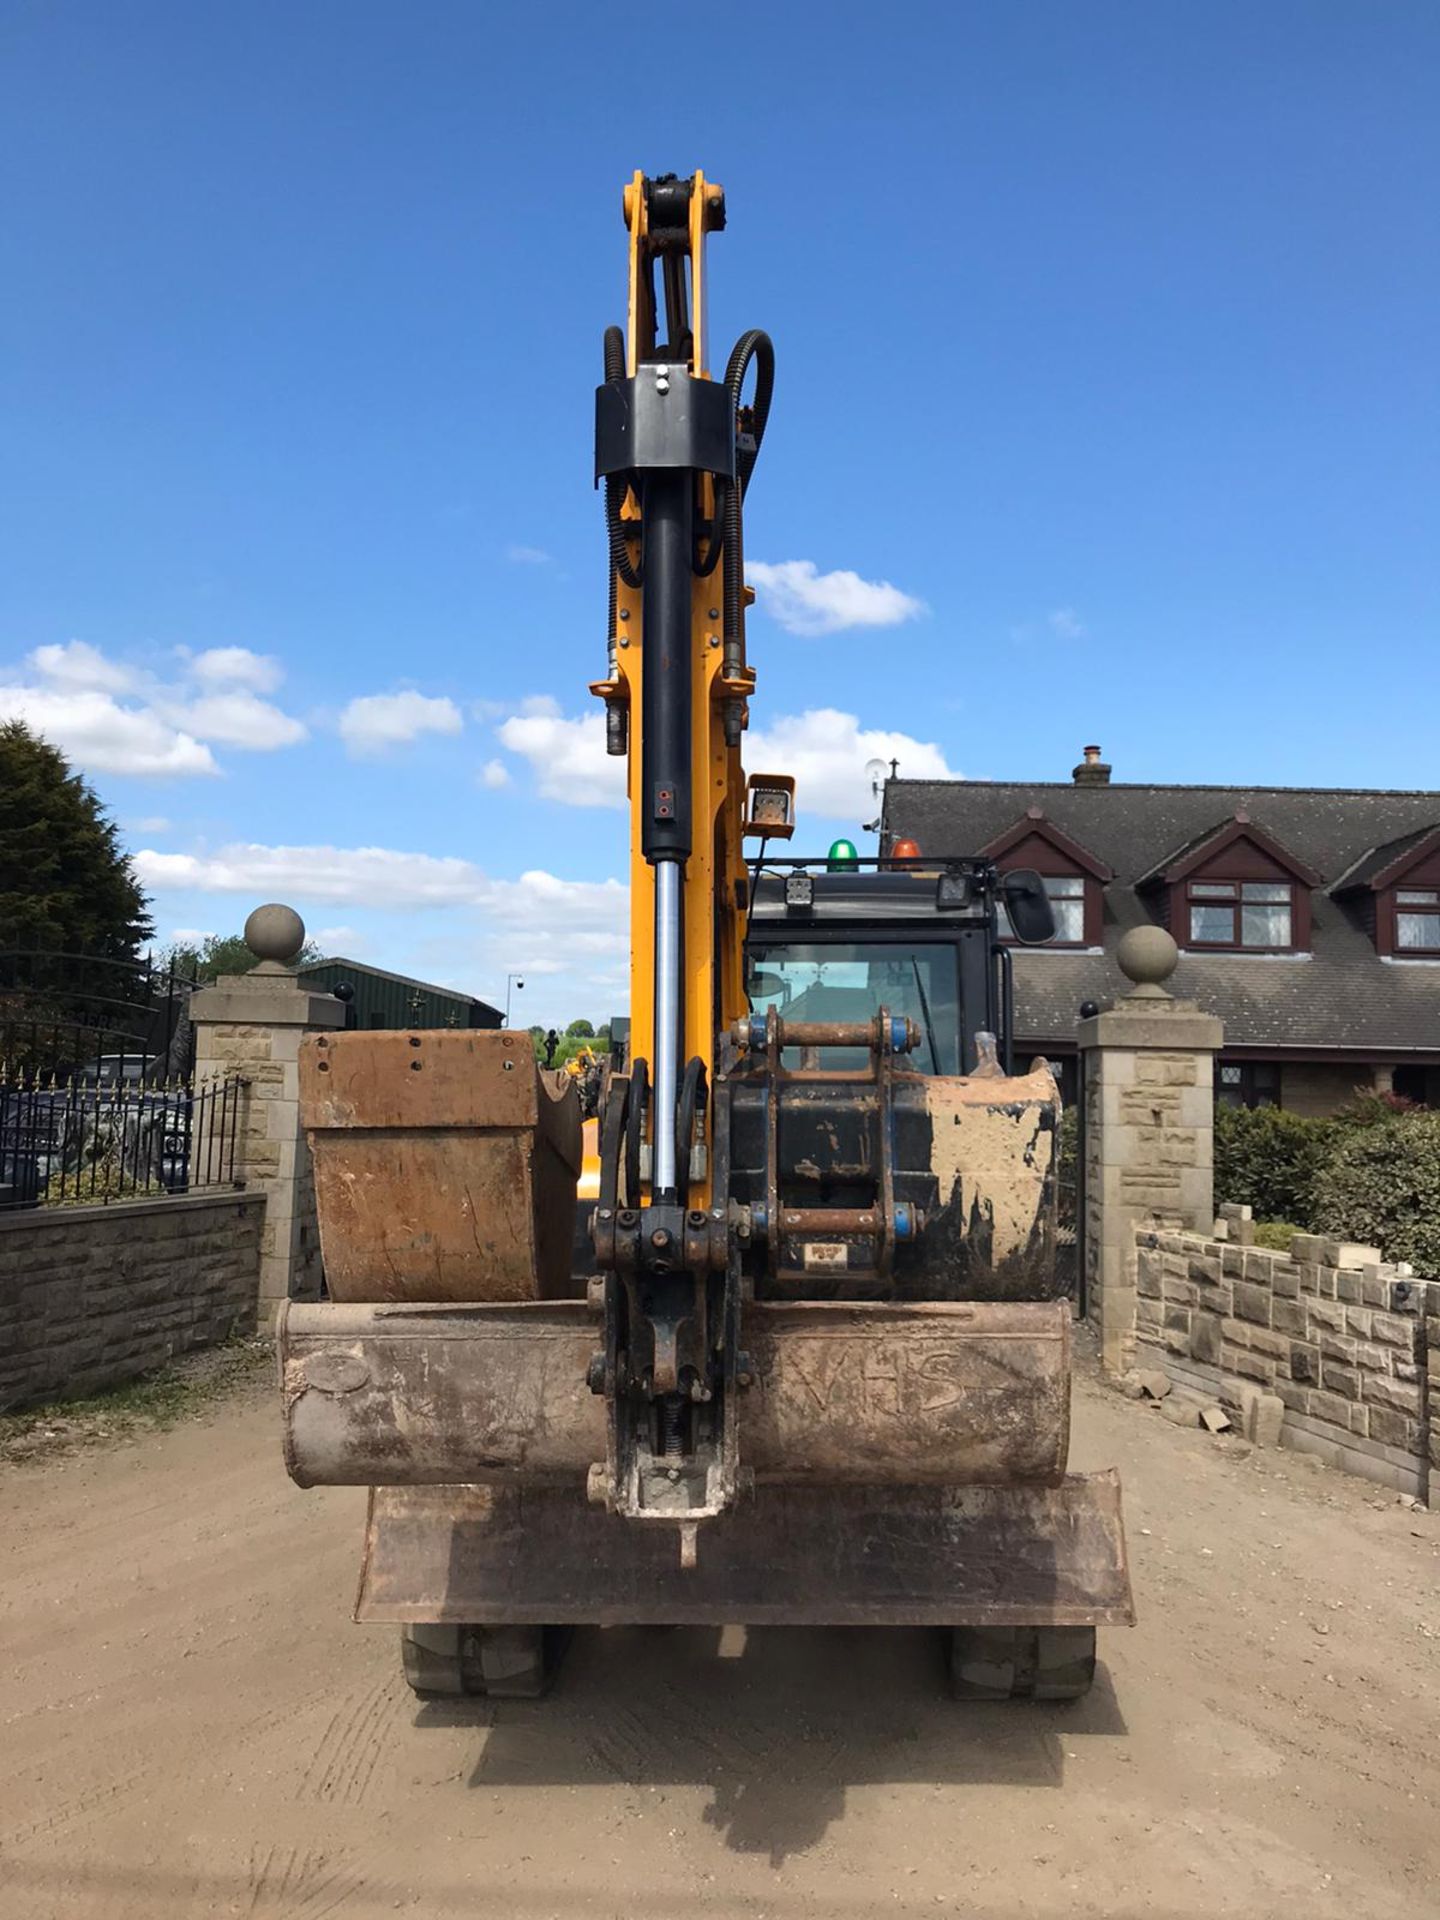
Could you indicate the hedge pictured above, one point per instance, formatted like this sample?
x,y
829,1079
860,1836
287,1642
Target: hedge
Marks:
x,y
1268,1159
1380,1185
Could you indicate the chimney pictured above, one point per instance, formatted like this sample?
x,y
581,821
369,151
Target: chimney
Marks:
x,y
1092,770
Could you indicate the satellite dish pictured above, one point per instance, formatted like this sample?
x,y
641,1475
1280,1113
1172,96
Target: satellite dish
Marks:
x,y
875,772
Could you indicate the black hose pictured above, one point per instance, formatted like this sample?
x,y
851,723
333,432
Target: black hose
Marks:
x,y
615,485
691,1101
753,345
712,532
635,1129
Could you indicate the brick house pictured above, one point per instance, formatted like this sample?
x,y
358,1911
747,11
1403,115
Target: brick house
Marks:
x,y
1307,918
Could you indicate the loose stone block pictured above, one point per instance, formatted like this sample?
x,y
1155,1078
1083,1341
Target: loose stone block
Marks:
x,y
1345,1253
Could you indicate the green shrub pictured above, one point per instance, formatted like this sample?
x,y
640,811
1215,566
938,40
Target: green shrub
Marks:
x,y
1380,1185
1275,1234
1267,1159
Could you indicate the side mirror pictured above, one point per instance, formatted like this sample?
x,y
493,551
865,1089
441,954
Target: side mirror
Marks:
x,y
1032,918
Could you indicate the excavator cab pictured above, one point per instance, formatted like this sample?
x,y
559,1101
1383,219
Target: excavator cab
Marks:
x,y
827,945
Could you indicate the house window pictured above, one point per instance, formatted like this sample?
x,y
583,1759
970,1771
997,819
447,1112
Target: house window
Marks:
x,y
1417,919
1251,915
1067,903
1247,1083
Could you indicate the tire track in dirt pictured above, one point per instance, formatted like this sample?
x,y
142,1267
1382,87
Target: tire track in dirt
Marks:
x,y
299,1884
351,1745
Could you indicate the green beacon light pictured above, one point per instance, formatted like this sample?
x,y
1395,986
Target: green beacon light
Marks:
x,y
842,858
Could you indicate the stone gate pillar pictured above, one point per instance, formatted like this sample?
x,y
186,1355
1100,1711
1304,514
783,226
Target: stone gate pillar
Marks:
x,y
250,1025
1149,1129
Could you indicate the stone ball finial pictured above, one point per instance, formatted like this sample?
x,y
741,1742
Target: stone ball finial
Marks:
x,y
1147,955
275,933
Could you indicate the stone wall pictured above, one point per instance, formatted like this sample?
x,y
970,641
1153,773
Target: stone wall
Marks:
x,y
1148,1141
253,1024
91,1297
1335,1333
1311,1087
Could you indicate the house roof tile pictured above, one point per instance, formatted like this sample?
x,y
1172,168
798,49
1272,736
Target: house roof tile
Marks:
x,y
1341,995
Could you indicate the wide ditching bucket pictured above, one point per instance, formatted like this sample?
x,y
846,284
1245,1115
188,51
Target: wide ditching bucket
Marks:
x,y
903,1461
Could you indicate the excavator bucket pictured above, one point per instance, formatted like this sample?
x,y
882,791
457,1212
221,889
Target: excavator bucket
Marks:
x,y
908,1460
445,1165
812,1556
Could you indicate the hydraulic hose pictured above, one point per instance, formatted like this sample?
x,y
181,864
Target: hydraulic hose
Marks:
x,y
753,345
615,486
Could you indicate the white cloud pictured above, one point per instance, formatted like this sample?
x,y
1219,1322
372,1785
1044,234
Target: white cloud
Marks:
x,y
529,556
826,751
494,774
572,932
804,600
151,823
378,722
1066,624
238,719
95,731
567,756
79,665
237,667
163,728
365,876
335,940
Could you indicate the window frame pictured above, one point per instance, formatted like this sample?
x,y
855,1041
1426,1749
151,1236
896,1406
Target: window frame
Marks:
x,y
1208,885
1081,881
1402,901
1247,1084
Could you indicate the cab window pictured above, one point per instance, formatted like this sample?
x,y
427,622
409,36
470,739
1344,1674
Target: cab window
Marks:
x,y
832,982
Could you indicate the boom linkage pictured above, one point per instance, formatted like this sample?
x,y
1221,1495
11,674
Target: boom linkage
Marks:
x,y
674,450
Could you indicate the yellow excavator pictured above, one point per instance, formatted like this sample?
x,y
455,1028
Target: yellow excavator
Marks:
x,y
807,1360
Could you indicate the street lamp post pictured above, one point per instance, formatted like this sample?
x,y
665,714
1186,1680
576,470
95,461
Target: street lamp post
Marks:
x,y
519,988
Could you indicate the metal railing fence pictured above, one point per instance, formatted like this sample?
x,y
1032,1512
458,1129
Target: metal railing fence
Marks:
x,y
88,1139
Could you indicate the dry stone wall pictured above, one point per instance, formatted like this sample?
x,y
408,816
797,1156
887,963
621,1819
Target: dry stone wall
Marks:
x,y
1343,1339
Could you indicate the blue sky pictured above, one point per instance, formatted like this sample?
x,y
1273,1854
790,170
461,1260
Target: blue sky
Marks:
x,y
1106,341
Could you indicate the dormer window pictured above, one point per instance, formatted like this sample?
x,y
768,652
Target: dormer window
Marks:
x,y
1067,903
1074,879
1250,916
1417,920
1395,890
1233,889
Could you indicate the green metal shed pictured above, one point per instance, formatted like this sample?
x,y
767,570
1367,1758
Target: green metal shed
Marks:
x,y
391,1000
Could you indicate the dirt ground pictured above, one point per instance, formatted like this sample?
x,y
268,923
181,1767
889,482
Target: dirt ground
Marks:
x,y
192,1726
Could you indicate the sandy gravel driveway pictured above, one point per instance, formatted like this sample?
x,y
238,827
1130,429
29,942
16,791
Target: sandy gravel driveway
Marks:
x,y
191,1727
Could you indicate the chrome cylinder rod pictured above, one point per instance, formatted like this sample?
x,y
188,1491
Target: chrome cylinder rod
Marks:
x,y
667,1025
